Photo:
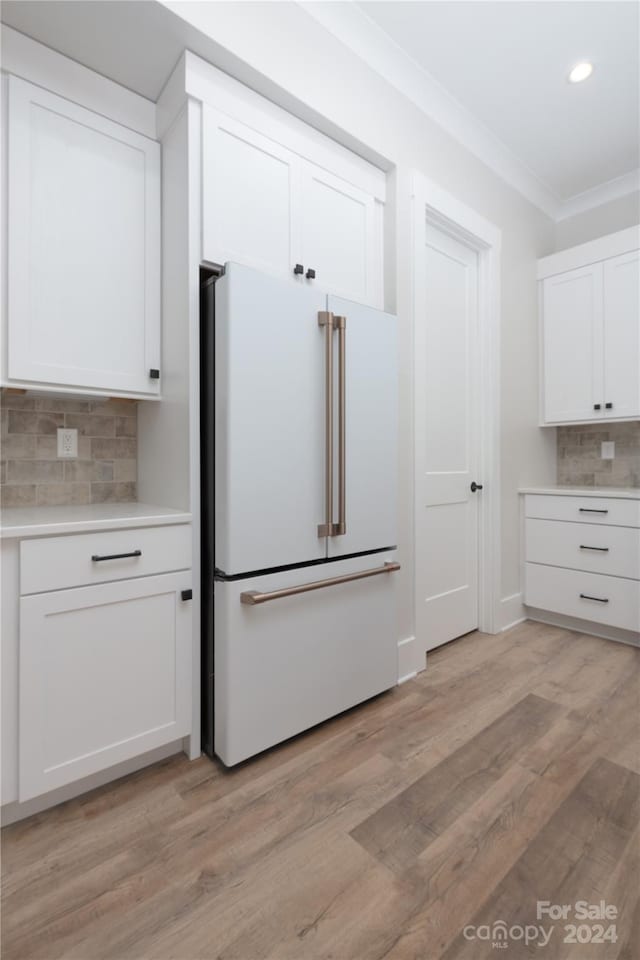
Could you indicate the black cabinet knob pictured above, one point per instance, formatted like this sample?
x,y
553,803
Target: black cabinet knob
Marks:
x,y
186,595
608,406
298,268
475,486
310,274
154,374
597,406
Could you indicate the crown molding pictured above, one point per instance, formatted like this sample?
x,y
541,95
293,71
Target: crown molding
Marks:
x,y
604,193
352,27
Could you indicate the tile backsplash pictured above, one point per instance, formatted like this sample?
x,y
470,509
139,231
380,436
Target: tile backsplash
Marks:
x,y
31,474
579,455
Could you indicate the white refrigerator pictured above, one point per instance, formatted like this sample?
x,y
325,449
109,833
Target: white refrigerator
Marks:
x,y
299,441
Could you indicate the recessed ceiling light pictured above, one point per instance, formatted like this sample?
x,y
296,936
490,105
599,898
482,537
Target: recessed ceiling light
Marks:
x,y
580,72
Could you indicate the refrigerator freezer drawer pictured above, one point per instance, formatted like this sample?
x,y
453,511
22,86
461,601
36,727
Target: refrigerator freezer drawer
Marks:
x,y
284,664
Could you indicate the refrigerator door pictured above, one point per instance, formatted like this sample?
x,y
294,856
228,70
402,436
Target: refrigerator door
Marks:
x,y
286,664
370,462
269,422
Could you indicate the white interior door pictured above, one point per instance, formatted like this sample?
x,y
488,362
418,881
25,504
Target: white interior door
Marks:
x,y
622,336
371,428
269,442
572,315
446,431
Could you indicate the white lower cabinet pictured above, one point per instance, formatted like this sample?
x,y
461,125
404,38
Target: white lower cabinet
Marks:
x,y
582,558
105,675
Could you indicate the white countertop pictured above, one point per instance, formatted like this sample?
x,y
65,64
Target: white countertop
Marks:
x,y
45,521
619,493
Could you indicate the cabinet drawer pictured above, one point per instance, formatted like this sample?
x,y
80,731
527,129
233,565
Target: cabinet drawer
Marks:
x,y
618,512
591,596
581,546
55,563
287,664
105,675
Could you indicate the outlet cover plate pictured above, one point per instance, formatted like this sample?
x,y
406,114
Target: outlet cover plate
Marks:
x,y
67,443
608,451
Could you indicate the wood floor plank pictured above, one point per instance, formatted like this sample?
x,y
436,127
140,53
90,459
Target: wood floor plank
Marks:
x,y
566,861
400,830
190,861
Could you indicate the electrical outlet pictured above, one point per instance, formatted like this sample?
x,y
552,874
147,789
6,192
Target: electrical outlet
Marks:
x,y
67,443
608,450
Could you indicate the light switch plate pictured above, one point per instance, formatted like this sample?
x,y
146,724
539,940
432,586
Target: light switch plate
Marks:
x,y
67,443
608,451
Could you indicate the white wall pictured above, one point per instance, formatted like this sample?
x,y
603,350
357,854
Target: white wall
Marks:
x,y
289,49
615,215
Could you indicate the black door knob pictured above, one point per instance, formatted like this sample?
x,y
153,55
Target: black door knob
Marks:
x,y
298,268
310,274
475,486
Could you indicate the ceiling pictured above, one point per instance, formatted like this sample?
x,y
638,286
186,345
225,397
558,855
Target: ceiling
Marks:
x,y
492,73
507,63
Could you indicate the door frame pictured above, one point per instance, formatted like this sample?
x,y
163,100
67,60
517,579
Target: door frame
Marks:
x,y
434,206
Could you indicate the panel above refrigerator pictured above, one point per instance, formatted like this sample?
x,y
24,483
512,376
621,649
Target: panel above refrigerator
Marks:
x,y
269,422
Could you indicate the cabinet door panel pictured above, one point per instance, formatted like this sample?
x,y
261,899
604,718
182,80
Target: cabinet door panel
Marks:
x,y
104,676
249,195
622,335
371,412
84,247
572,312
269,436
338,235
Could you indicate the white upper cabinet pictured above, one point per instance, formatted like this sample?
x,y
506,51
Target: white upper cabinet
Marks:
x,y
84,249
339,235
249,191
270,206
590,332
622,336
572,344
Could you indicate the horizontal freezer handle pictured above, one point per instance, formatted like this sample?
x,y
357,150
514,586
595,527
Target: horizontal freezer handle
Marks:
x,y
253,597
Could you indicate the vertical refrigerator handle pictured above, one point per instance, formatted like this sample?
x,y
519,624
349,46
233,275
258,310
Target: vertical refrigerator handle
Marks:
x,y
325,320
330,323
340,528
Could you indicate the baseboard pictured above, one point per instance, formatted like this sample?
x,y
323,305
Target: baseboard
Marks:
x,y
12,812
512,611
583,626
411,660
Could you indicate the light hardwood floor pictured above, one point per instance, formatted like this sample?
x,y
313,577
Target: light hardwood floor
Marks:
x,y
507,773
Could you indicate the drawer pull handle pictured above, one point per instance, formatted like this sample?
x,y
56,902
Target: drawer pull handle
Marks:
x,y
590,510
585,596
116,556
601,549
